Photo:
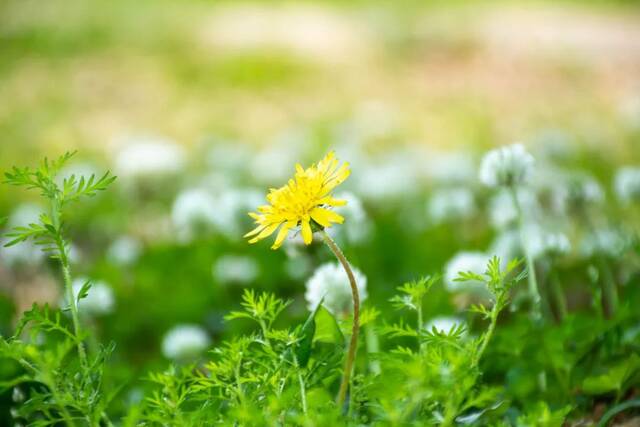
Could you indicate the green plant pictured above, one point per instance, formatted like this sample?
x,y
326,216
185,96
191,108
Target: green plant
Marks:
x,y
62,387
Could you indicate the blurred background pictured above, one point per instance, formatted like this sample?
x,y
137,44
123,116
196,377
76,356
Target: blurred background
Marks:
x,y
199,107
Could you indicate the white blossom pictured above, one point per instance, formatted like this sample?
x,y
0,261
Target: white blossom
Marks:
x,y
511,165
330,282
627,184
184,342
193,210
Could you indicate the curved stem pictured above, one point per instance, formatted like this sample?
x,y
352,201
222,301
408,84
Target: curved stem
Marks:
x,y
353,344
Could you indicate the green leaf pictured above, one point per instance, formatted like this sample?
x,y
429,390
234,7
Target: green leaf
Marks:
x,y
84,291
303,347
327,329
614,379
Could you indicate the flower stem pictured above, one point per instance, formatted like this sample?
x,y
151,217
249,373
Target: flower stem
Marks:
x,y
353,344
534,293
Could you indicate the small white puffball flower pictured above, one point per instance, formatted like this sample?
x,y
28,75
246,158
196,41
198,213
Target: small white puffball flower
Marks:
x,y
185,342
193,210
235,269
627,184
503,212
443,324
331,282
540,242
506,166
451,204
99,299
125,250
149,156
357,226
607,242
475,262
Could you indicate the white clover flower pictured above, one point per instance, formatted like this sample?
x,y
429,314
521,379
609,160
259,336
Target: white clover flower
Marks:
x,y
627,184
331,282
357,226
193,210
451,204
475,262
235,269
125,250
604,241
99,300
443,324
503,212
540,242
185,342
506,166
149,156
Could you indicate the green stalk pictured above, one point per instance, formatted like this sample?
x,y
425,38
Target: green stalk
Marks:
x,y
353,344
66,274
534,292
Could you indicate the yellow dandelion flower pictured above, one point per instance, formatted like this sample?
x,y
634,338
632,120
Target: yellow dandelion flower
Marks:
x,y
302,202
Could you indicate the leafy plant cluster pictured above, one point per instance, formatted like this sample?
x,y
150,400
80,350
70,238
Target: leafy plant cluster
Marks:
x,y
502,367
